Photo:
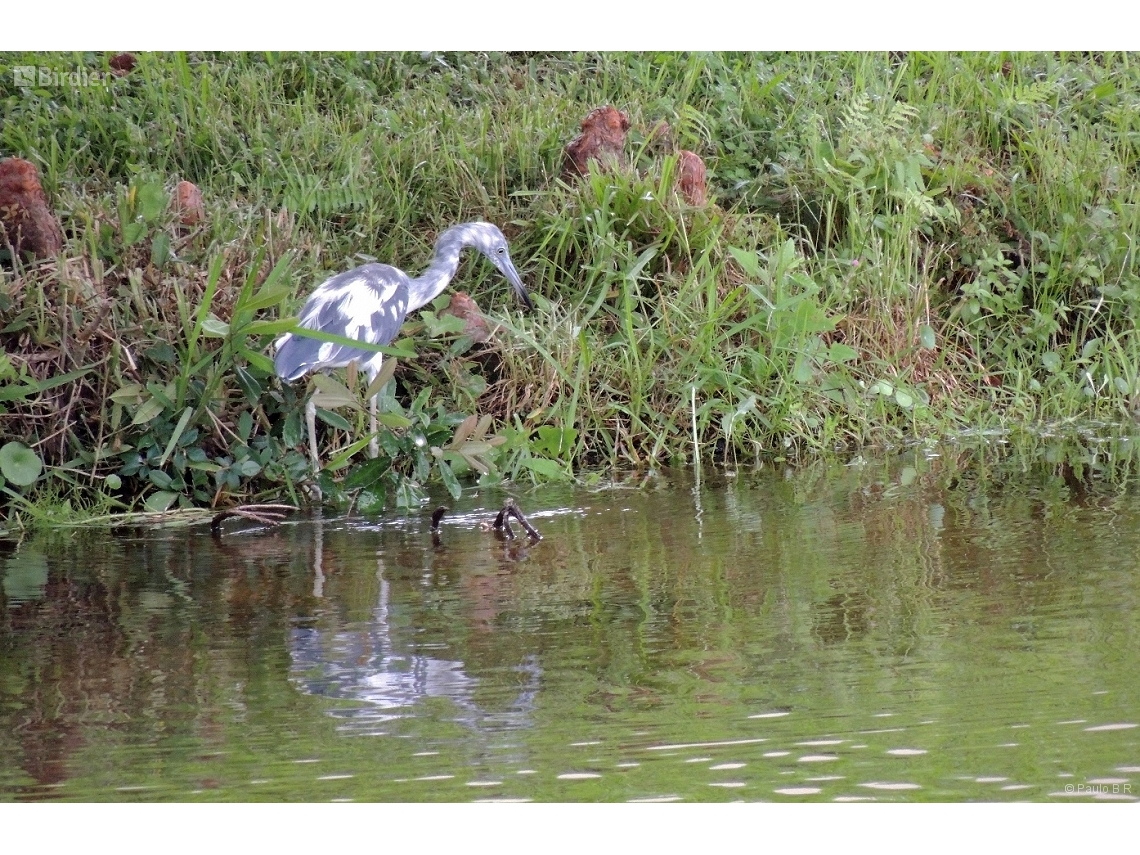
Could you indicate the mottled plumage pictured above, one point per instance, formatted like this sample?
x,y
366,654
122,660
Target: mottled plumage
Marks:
x,y
369,303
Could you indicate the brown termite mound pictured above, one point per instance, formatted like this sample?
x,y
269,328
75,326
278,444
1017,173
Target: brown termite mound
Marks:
x,y
122,64
474,324
29,224
691,178
188,203
602,139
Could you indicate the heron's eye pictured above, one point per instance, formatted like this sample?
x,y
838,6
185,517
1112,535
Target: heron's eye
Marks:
x,y
501,250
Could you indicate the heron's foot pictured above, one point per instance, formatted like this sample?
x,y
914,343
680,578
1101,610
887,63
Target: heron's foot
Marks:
x,y
312,491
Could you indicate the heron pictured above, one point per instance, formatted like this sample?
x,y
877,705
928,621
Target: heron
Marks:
x,y
369,303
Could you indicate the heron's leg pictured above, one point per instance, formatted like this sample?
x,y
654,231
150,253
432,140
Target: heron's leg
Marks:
x,y
373,369
311,425
374,442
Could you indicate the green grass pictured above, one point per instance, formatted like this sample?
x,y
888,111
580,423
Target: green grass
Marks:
x,y
898,247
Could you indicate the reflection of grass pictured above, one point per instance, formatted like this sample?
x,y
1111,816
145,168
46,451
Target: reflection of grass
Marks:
x,y
901,245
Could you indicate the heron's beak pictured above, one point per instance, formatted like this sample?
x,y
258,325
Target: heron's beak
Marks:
x,y
508,269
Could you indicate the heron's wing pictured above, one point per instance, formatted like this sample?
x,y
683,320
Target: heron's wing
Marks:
x,y
368,303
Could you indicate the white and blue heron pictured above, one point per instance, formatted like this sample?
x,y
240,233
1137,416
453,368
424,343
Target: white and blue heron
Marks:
x,y
369,303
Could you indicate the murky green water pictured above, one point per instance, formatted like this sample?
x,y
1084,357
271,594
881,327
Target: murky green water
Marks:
x,y
890,631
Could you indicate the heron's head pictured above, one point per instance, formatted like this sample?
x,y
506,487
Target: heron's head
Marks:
x,y
487,238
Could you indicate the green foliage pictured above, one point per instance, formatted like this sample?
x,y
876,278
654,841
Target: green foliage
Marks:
x,y
19,464
897,245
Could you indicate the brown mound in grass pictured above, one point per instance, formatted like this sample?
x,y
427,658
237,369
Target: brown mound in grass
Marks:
x,y
188,203
602,139
691,177
29,224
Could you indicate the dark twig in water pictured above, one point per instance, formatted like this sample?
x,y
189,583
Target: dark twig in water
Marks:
x,y
503,524
518,515
511,509
436,516
265,514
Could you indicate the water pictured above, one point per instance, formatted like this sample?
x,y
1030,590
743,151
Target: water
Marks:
x,y
894,631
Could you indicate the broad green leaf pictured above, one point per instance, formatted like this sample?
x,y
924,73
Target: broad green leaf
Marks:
x,y
160,501
19,464
204,466
748,260
371,501
926,337
257,360
334,420
150,409
840,352
152,201
215,328
160,249
904,399
442,325
174,437
1051,361
250,387
407,496
132,233
449,479
367,473
327,392
16,391
556,441
245,425
164,392
128,394
546,468
393,421
291,431
265,297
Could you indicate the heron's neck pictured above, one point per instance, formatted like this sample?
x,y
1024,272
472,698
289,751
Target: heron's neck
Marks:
x,y
430,284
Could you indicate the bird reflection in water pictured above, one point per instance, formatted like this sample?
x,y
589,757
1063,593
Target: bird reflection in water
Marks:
x,y
388,675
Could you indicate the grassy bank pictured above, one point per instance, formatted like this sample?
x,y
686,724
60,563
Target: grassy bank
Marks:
x,y
896,246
